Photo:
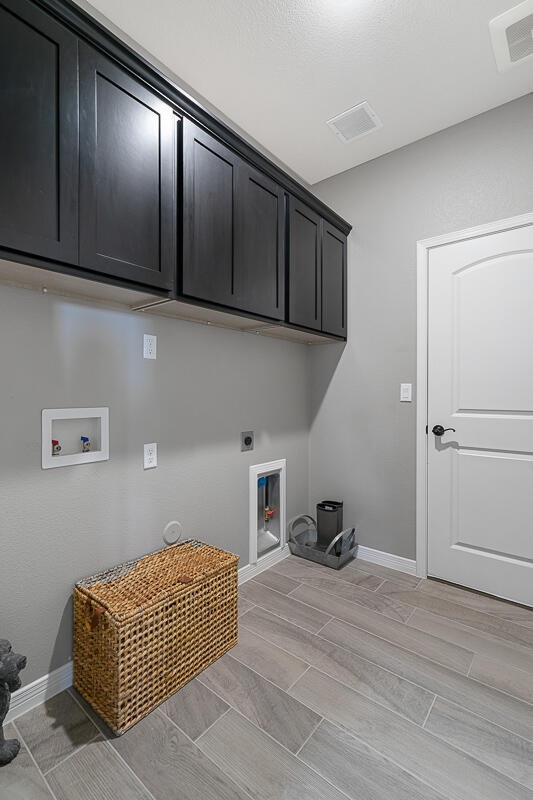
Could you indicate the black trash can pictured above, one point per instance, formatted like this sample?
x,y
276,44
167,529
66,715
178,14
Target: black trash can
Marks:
x,y
328,521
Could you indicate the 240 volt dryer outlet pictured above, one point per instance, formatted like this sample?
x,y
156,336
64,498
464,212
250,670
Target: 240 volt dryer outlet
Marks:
x,y
247,440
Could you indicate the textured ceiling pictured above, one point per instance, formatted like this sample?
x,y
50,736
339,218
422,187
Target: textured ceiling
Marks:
x,y
280,68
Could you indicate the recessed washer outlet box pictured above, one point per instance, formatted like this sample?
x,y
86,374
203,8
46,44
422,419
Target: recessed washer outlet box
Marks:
x,y
267,492
81,436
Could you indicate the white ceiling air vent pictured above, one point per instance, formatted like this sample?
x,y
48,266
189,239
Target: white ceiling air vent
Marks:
x,y
356,122
512,36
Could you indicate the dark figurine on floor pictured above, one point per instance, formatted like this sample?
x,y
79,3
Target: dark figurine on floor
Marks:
x,y
10,665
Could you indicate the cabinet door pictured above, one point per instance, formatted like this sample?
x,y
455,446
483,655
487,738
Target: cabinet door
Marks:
x,y
38,134
259,253
127,176
209,186
333,280
304,266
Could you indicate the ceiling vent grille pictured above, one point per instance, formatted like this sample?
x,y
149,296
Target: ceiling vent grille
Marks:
x,y
356,122
512,36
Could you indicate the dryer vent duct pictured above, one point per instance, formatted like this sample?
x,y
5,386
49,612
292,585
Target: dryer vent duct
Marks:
x,y
356,122
512,36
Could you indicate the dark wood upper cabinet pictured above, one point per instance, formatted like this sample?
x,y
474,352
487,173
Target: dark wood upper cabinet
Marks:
x,y
95,146
38,134
127,176
305,284
259,252
209,185
333,280
317,272
233,229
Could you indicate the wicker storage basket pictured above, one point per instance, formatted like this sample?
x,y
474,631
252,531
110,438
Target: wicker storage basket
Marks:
x,y
145,628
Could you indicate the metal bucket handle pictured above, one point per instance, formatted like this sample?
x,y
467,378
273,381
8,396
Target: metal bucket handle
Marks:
x,y
294,520
337,537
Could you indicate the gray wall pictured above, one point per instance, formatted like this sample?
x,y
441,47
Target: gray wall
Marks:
x,y
206,385
362,442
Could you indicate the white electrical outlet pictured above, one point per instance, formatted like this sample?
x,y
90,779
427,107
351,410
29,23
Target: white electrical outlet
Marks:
x,y
149,346
150,455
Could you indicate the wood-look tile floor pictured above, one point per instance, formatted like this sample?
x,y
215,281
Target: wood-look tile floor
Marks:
x,y
365,683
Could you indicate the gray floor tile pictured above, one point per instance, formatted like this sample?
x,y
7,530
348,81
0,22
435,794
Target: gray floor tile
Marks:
x,y
446,769
500,749
95,773
489,703
353,592
297,568
378,684
341,606
385,572
480,642
267,706
301,570
55,729
274,580
504,629
244,605
194,708
358,770
268,660
424,644
170,765
21,780
478,602
376,664
260,765
283,606
508,679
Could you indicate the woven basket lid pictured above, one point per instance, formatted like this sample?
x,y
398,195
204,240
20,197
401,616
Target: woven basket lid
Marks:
x,y
135,585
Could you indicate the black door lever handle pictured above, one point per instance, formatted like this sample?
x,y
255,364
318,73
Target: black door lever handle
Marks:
x,y
438,430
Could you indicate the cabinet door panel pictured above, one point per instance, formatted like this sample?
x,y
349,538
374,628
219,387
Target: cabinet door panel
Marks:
x,y
304,266
209,181
259,267
127,226
38,134
333,281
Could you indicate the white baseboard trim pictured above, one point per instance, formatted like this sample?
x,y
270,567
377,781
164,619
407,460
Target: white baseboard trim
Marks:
x,y
32,695
264,562
387,559
27,697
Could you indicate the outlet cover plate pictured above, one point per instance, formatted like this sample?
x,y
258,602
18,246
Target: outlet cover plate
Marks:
x,y
149,346
247,440
150,455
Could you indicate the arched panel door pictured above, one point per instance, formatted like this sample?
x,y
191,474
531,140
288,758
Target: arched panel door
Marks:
x,y
480,388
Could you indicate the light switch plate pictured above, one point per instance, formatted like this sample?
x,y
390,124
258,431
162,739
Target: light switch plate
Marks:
x,y
406,392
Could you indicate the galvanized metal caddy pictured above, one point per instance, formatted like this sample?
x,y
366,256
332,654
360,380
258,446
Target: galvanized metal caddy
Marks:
x,y
303,543
143,629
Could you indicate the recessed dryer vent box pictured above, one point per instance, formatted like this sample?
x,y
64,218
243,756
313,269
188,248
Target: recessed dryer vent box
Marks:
x,y
67,426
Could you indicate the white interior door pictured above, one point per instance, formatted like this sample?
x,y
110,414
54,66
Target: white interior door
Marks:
x,y
480,382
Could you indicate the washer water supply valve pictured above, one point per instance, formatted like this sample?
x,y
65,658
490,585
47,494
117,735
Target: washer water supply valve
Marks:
x,y
269,512
56,447
85,444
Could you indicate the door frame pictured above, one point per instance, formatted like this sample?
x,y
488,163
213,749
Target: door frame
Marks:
x,y
423,248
